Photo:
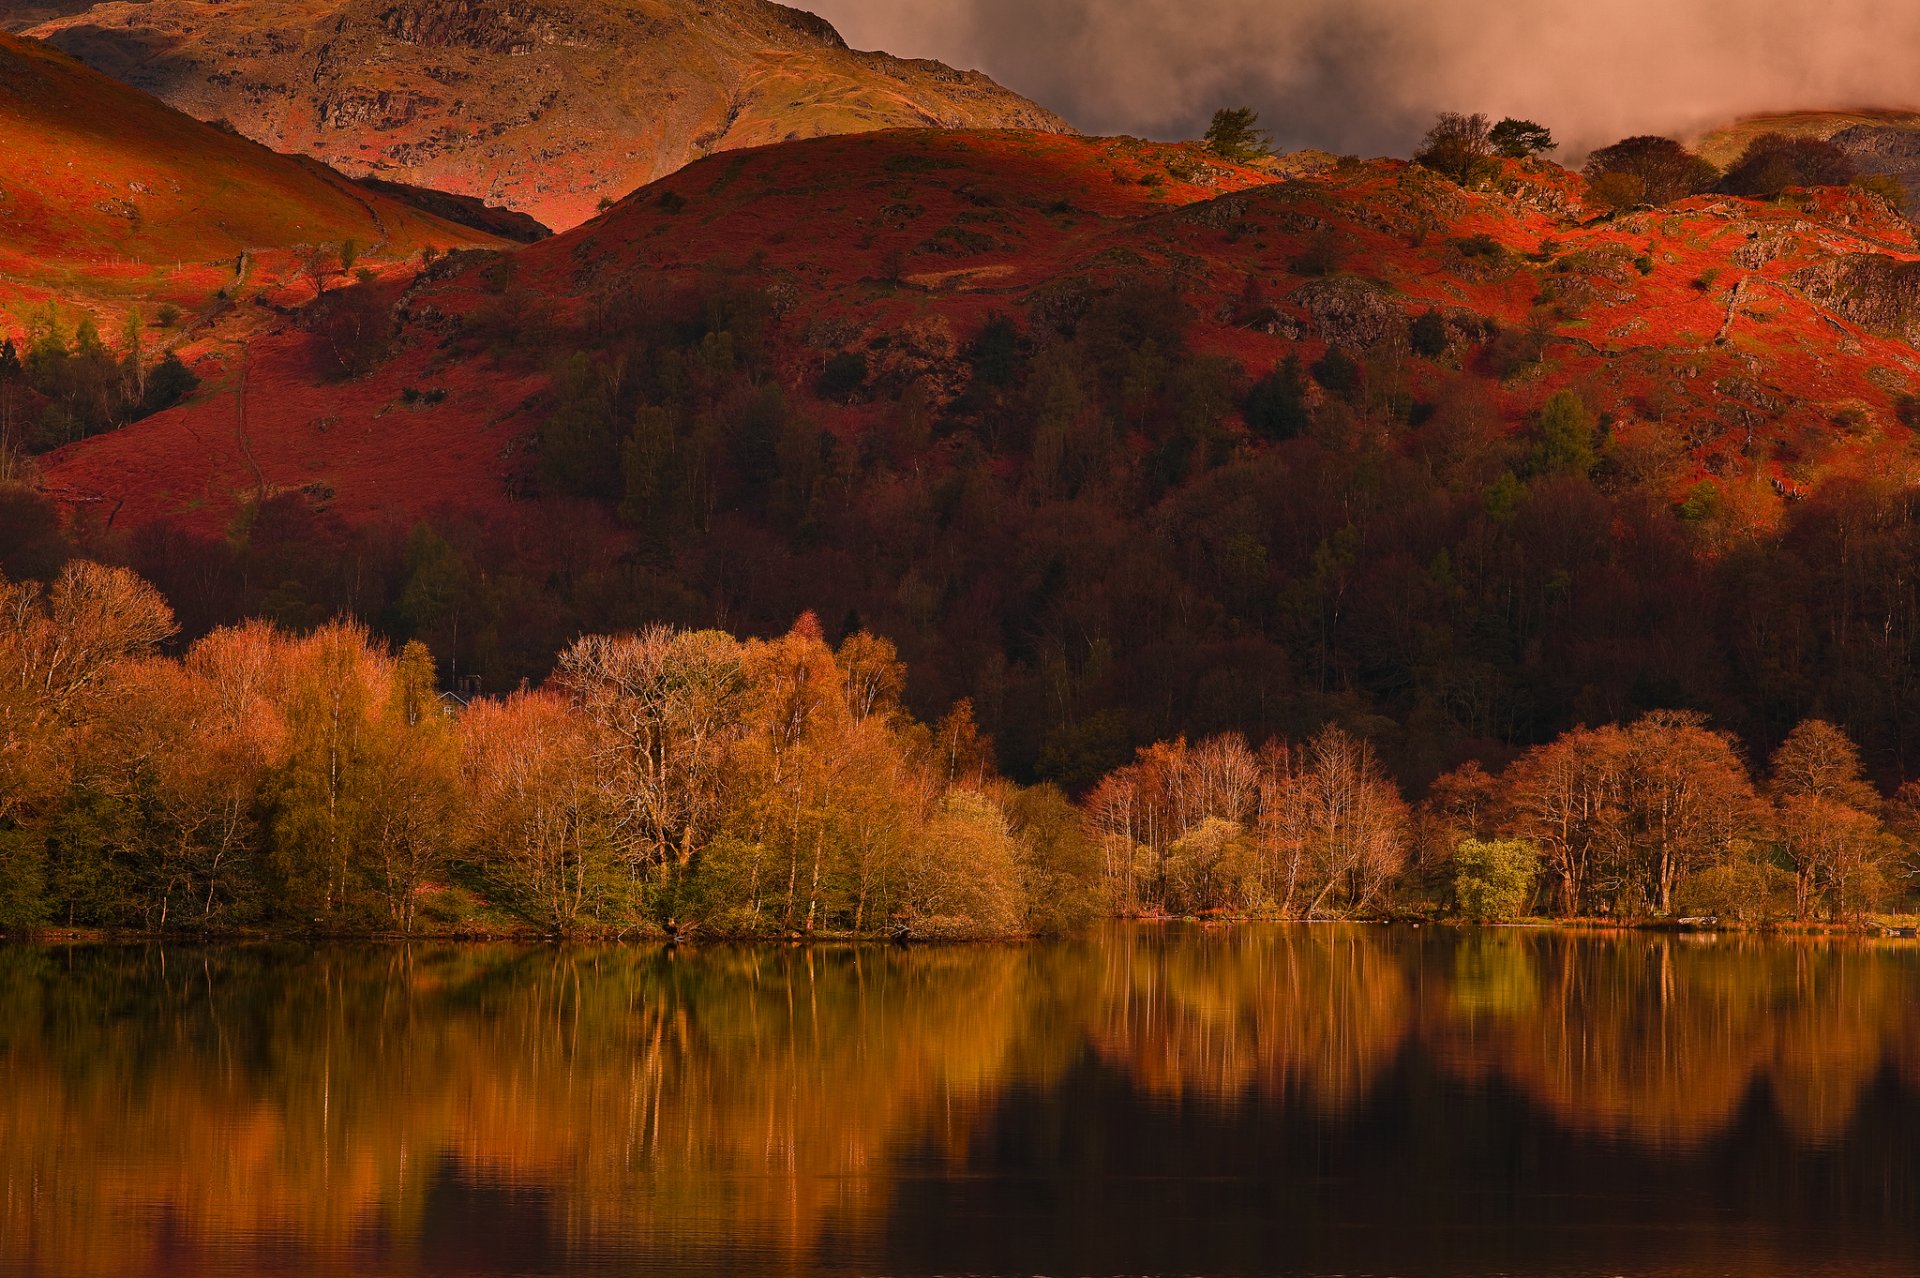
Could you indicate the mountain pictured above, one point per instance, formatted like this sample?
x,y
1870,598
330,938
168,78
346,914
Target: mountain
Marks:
x,y
110,199
1114,440
546,107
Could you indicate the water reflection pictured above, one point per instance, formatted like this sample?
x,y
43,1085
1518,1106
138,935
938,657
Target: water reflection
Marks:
x,y
1262,1100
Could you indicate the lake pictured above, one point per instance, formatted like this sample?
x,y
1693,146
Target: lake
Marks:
x,y
1363,1100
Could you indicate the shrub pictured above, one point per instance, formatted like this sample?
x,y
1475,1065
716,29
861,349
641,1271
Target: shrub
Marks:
x,y
1907,410
170,382
1669,171
1887,188
1493,879
1617,191
1480,246
1321,256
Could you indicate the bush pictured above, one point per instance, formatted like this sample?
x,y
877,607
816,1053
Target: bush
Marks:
x,y
1617,192
1493,879
1887,188
1668,170
170,382
1480,246
1321,256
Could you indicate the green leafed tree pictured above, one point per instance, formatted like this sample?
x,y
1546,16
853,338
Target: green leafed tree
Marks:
x,y
1521,139
1493,879
1235,134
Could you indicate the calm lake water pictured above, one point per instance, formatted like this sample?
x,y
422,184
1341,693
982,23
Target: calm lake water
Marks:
x,y
1285,1100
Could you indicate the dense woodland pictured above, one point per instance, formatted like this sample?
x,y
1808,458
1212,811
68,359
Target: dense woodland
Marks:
x,y
1070,524
689,782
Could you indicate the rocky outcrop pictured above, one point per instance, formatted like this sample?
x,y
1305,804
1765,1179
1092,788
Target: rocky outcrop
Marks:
x,y
1349,311
1880,294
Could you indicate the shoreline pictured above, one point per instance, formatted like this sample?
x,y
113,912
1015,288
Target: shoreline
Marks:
x,y
1898,927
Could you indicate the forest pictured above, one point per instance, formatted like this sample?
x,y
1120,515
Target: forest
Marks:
x,y
685,782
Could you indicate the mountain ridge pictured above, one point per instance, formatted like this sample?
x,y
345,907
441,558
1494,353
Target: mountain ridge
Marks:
x,y
546,109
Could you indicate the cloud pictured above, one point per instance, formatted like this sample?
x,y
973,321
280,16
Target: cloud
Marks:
x,y
1367,75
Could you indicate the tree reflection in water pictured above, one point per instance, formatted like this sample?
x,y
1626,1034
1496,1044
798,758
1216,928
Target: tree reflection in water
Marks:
x,y
1272,1099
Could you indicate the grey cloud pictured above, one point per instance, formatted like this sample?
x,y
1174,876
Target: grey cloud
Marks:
x,y
1365,75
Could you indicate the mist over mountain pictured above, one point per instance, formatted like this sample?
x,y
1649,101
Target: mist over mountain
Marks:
x,y
1366,75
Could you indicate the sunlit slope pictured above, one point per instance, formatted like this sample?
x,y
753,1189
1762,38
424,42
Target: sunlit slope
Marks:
x,y
111,198
545,107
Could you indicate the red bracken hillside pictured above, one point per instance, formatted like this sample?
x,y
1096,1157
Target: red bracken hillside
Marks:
x,y
969,220
1763,345
110,199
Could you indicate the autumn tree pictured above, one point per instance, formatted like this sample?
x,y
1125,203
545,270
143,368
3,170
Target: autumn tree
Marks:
x,y
1828,822
541,824
669,706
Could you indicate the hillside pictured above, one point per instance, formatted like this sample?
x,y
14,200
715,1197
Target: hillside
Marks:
x,y
1117,442
546,108
1880,142
110,199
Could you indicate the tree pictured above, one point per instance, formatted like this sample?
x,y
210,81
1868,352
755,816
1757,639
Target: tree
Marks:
x,y
1565,799
668,707
1459,147
1061,877
414,804
333,684
1235,134
1773,162
539,821
1493,879
1276,407
1666,170
1521,139
167,384
965,877
1566,436
1827,816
